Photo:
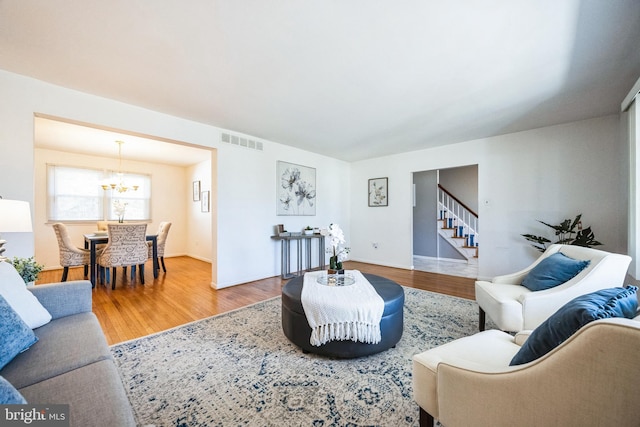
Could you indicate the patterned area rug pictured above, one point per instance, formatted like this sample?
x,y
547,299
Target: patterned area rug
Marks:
x,y
238,368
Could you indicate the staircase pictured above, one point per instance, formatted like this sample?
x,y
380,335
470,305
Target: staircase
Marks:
x,y
458,225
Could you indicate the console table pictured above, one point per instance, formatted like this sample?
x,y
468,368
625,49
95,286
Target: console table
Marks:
x,y
300,240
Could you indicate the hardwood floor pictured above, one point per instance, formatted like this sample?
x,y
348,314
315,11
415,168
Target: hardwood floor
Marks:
x,y
183,294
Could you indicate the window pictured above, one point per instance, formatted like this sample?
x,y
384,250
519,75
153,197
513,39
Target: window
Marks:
x,y
76,194
137,203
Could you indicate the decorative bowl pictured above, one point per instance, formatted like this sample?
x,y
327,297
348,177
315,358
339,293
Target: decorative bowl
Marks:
x,y
346,279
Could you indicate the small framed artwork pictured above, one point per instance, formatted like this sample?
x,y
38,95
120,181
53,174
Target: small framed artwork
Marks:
x,y
204,202
378,192
196,191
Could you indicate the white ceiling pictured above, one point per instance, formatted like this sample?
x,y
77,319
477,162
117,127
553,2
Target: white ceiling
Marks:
x,y
351,79
58,135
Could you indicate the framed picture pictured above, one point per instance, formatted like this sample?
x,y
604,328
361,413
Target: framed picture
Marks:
x,y
196,191
204,202
379,192
296,189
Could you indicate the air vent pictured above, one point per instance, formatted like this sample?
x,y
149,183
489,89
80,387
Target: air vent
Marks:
x,y
241,141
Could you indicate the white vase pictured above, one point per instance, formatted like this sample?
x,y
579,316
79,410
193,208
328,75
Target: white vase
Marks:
x,y
31,283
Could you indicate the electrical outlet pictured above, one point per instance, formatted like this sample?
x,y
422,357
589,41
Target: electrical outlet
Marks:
x,y
375,245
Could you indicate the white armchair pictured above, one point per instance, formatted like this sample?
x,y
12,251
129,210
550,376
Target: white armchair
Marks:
x,y
592,379
513,307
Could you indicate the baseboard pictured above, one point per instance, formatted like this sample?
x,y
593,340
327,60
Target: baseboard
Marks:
x,y
430,258
199,258
403,267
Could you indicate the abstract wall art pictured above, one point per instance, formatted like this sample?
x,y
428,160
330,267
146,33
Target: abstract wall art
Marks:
x,y
296,189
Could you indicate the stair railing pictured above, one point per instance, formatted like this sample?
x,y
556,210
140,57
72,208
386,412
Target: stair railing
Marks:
x,y
458,216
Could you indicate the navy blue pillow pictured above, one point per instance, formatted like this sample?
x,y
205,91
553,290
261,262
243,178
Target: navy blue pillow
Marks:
x,y
15,335
9,395
603,304
552,271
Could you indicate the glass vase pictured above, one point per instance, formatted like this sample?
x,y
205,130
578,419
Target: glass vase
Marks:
x,y
335,266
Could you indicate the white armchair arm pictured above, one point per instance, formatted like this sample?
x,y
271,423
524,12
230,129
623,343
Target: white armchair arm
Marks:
x,y
539,306
517,277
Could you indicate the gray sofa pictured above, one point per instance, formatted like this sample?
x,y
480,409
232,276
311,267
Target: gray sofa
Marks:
x,y
71,362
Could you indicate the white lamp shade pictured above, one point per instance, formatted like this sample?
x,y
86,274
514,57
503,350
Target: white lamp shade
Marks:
x,y
15,216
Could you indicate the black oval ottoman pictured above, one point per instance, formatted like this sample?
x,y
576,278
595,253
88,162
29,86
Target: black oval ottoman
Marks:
x,y
296,327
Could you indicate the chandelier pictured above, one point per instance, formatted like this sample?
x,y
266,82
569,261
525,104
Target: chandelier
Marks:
x,y
119,185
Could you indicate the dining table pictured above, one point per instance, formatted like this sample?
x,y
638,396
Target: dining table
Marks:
x,y
93,239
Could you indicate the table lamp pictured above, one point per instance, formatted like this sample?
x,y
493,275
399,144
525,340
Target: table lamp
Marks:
x,y
15,217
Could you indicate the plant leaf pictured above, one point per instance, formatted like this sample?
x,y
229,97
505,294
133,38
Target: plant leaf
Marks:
x,y
586,238
537,239
576,221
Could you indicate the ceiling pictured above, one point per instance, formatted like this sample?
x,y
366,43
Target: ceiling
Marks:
x,y
55,134
350,79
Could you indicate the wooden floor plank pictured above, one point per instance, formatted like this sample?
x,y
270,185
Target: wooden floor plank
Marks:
x,y
183,294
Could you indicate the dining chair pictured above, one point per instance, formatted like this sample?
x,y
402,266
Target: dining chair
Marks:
x,y
163,231
70,255
103,225
127,246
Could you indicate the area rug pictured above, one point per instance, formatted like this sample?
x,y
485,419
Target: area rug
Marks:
x,y
238,369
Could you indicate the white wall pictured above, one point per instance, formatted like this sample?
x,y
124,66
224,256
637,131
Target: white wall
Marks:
x,y
548,174
246,180
247,211
462,183
199,228
167,191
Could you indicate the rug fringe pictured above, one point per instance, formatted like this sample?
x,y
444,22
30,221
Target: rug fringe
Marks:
x,y
342,331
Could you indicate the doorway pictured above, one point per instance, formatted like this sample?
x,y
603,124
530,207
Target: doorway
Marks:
x,y
432,250
172,165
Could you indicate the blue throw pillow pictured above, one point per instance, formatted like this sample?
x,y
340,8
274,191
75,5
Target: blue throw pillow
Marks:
x,y
552,271
603,304
8,394
15,335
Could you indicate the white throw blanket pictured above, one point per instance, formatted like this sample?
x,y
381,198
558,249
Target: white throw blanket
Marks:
x,y
342,312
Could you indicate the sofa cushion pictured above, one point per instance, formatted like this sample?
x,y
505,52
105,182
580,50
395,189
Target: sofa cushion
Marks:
x,y
552,271
64,298
14,290
64,344
15,335
606,303
8,394
94,393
